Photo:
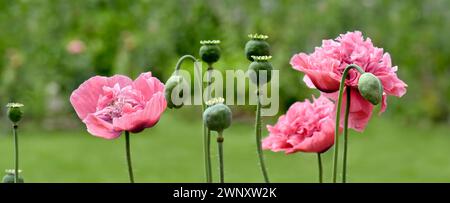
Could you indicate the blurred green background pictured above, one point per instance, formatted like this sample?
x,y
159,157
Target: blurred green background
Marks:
x,y
49,47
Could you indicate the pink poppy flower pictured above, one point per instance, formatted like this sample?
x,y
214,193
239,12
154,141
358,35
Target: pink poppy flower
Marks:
x,y
110,105
76,47
324,68
306,127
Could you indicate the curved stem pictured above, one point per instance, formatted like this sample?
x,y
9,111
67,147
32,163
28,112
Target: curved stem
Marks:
x,y
347,111
258,137
181,60
221,167
127,148
206,132
338,115
319,162
16,154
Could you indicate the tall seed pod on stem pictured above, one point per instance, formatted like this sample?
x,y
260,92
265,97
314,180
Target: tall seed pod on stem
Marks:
x,y
209,53
14,114
257,50
217,117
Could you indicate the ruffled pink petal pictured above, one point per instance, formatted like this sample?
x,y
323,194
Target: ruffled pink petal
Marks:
x,y
392,85
301,128
148,85
322,80
319,142
100,128
308,82
317,78
275,143
300,62
146,118
119,79
84,99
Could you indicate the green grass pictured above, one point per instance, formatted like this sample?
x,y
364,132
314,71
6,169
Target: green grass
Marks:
x,y
172,152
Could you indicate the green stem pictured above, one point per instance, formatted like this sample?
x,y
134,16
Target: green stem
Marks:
x,y
208,155
347,111
258,137
338,115
16,154
207,152
221,167
127,148
181,60
208,132
319,162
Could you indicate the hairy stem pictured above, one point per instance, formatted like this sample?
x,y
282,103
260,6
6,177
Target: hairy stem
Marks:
x,y
258,138
127,148
338,115
221,166
206,132
207,135
319,162
181,60
16,154
347,111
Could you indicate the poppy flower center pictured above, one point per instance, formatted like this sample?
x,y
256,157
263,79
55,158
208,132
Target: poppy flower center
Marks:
x,y
116,101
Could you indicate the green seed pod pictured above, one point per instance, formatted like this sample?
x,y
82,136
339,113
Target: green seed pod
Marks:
x,y
370,88
14,112
175,83
9,177
259,65
217,117
257,46
210,51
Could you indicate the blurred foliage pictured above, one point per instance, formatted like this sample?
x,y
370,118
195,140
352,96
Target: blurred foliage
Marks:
x,y
133,36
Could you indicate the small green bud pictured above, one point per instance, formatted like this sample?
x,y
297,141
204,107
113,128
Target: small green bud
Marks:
x,y
257,46
175,83
370,88
259,64
14,112
210,51
9,177
217,117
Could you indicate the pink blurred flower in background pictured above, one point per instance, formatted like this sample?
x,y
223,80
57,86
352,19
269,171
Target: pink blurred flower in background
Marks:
x,y
306,127
324,67
76,46
110,105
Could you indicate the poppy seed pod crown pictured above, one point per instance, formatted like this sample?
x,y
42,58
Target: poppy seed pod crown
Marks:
x,y
260,65
10,175
210,51
257,46
14,112
217,117
370,88
174,83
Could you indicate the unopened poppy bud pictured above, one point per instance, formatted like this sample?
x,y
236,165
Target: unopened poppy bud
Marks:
x,y
257,46
370,88
9,177
217,116
260,65
14,112
175,83
210,51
